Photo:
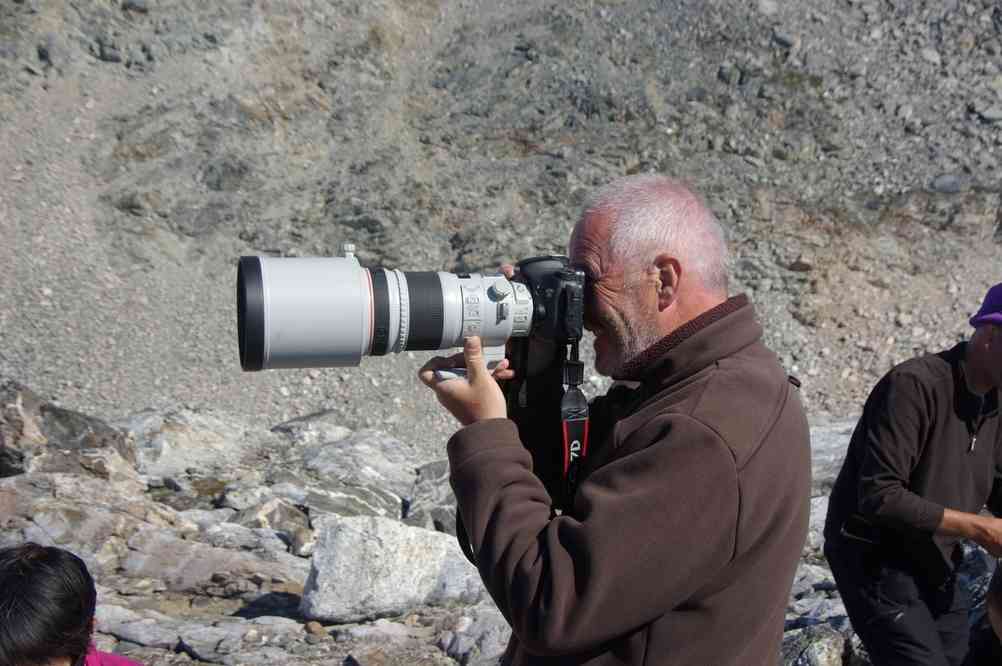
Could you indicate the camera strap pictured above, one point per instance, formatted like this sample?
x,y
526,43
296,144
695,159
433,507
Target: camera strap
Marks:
x,y
574,419
574,414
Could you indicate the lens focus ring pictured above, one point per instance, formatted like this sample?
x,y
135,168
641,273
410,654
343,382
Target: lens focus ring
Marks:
x,y
405,311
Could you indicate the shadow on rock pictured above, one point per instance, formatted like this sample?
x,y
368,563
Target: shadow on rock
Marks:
x,y
273,604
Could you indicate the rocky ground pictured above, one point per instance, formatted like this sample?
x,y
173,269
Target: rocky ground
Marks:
x,y
215,541
851,148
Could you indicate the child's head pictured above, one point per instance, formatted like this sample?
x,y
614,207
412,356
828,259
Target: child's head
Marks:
x,y
47,601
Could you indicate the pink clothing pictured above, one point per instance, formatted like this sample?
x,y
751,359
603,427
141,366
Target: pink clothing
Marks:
x,y
95,658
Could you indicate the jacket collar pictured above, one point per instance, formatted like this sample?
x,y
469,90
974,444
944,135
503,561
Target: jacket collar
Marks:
x,y
968,404
700,342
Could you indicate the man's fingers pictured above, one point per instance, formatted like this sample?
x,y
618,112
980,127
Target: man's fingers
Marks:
x,y
427,372
473,354
502,371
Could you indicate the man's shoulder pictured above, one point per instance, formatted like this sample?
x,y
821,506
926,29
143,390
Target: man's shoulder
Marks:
x,y
925,372
751,401
741,399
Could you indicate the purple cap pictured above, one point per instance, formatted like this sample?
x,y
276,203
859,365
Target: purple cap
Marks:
x,y
991,309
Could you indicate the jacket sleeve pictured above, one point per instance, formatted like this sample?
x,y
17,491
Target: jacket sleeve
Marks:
x,y
896,426
646,532
994,502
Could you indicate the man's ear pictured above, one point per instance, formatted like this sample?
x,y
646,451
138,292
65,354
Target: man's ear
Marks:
x,y
668,279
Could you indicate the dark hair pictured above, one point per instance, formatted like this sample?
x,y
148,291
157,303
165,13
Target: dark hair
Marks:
x,y
47,601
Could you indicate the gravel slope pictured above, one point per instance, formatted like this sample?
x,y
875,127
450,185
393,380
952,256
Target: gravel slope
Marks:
x,y
850,147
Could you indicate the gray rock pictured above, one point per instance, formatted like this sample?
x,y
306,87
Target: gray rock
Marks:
x,y
304,543
36,435
816,609
991,114
366,458
829,442
89,516
809,578
187,566
212,643
947,183
480,634
276,513
931,56
150,632
238,537
384,631
242,497
366,567
768,7
170,444
314,429
431,503
815,533
259,656
344,499
818,645
107,616
206,519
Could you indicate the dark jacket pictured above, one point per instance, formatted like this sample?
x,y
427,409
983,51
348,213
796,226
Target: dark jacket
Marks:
x,y
682,541
923,443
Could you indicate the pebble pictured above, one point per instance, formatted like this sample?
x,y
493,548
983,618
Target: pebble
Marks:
x,y
768,7
786,40
140,6
931,56
947,183
992,114
315,628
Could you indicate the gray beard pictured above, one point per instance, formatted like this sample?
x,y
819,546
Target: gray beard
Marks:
x,y
637,341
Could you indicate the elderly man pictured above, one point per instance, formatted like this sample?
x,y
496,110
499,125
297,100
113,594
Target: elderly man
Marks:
x,y
924,459
681,542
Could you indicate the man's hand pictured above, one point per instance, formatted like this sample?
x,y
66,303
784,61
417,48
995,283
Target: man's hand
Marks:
x,y
478,396
990,535
986,531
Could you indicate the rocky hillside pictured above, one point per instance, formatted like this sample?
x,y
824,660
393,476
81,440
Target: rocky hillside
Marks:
x,y
851,147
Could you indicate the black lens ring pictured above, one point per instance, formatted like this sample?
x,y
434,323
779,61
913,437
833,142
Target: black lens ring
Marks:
x,y
380,312
427,311
250,313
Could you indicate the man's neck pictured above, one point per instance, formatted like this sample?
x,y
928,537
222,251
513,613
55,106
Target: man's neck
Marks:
x,y
974,374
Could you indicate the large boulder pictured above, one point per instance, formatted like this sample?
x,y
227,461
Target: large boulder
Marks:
x,y
367,567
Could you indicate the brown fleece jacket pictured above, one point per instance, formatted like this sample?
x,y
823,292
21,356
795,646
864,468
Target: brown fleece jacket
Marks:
x,y
683,537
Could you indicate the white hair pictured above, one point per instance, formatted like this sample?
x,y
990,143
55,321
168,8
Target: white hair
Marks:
x,y
652,214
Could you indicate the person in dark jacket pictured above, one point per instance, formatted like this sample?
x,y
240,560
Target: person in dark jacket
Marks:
x,y
681,542
924,459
